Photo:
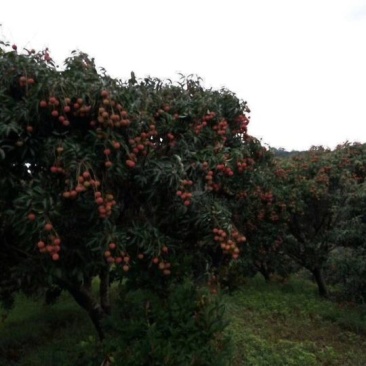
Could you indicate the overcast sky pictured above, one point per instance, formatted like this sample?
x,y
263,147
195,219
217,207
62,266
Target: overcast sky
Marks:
x,y
300,64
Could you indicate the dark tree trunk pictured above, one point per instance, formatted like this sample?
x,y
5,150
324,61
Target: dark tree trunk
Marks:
x,y
263,270
86,300
88,283
319,279
104,290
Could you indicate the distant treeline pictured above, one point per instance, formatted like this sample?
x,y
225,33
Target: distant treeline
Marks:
x,y
281,152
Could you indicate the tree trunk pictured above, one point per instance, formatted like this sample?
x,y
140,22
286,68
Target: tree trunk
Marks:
x,y
319,279
88,283
104,290
263,270
86,300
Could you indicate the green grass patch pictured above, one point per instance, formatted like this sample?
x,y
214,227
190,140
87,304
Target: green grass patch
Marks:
x,y
39,334
287,324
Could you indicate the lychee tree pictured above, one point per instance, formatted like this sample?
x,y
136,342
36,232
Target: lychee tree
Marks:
x,y
99,177
320,185
264,217
345,267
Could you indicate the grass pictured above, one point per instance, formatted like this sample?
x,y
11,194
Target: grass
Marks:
x,y
274,324
37,334
271,324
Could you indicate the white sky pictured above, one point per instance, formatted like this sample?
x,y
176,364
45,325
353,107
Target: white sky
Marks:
x,y
300,64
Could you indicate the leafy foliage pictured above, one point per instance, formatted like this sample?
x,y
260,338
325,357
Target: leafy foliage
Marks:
x,y
170,330
131,180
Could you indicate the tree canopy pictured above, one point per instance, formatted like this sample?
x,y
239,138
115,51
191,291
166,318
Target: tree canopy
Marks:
x,y
138,178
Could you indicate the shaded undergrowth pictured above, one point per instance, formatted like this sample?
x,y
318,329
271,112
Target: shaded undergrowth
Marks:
x,y
270,324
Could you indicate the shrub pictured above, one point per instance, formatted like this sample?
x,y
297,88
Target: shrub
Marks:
x,y
182,327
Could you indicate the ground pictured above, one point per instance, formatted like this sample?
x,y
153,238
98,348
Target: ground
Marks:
x,y
270,324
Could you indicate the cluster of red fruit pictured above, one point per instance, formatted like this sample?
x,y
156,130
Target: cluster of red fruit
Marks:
x,y
78,108
163,265
242,122
105,205
63,113
198,127
209,117
57,168
25,81
52,243
266,197
114,255
139,145
245,164
161,112
84,182
221,128
210,185
44,55
209,178
323,178
281,173
183,192
271,215
47,56
225,170
171,138
111,114
108,152
229,244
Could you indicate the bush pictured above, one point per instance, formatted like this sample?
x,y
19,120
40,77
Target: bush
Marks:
x,y
346,271
184,327
234,274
